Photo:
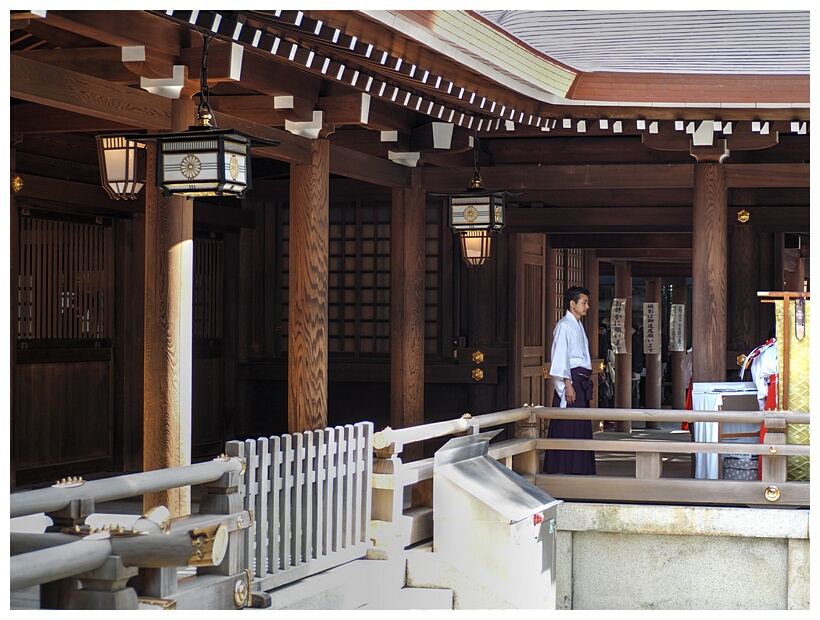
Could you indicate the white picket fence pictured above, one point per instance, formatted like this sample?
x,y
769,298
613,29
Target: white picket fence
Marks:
x,y
310,496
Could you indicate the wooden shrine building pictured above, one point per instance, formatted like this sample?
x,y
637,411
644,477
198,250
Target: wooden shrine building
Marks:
x,y
146,332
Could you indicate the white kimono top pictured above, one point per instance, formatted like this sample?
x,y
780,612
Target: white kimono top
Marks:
x,y
570,349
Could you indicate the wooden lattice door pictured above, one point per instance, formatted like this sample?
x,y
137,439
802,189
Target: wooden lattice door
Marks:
x,y
528,309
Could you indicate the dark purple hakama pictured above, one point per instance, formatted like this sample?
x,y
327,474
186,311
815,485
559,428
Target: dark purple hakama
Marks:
x,y
572,461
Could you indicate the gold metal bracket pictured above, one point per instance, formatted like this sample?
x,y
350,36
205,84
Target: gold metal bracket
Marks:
x,y
210,545
242,590
772,493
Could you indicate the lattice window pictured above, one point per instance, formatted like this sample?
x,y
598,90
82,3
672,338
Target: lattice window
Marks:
x,y
359,280
569,271
575,268
359,275
558,294
63,288
532,306
432,294
209,260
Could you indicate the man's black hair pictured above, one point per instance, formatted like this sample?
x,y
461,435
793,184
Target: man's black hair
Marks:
x,y
573,293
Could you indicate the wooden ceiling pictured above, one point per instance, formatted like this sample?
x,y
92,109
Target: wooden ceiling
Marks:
x,y
607,176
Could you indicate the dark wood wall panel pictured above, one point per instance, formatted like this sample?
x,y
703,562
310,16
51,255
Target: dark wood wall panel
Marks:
x,y
208,407
62,415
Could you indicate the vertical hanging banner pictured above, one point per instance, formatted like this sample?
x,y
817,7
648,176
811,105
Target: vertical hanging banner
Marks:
x,y
617,320
651,329
677,342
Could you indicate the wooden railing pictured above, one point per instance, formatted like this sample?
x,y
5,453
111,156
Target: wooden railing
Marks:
x,y
276,509
78,567
403,515
311,500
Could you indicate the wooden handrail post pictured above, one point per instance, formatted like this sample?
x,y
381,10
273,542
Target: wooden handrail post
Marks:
x,y
648,465
388,504
222,498
526,464
774,465
74,513
103,588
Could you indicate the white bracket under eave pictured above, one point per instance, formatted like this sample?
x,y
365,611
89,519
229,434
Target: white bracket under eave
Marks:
x,y
170,88
442,135
405,158
703,134
306,129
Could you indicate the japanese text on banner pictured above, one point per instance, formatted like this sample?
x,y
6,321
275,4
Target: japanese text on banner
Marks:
x,y
617,321
651,328
677,341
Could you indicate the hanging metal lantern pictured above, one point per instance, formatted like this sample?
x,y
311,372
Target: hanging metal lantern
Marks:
x,y
122,171
474,215
202,161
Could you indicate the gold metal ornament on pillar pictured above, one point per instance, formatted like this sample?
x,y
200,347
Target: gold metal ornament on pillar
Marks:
x,y
743,216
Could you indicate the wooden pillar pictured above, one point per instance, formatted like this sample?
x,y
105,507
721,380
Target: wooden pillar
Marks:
x,y
680,382
709,244
742,282
591,279
482,287
623,361
407,307
550,287
652,361
168,365
308,296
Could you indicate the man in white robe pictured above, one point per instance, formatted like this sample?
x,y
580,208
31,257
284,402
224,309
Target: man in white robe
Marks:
x,y
571,371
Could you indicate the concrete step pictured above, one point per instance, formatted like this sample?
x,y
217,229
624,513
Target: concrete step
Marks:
x,y
426,569
347,587
413,598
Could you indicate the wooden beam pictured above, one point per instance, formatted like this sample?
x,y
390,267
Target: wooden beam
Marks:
x,y
390,117
352,109
768,175
262,73
354,165
616,176
30,118
104,63
683,254
599,219
515,178
225,60
121,28
89,196
68,90
256,108
640,219
600,241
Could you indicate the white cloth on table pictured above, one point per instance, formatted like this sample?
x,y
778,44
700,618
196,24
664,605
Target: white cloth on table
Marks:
x,y
570,349
709,397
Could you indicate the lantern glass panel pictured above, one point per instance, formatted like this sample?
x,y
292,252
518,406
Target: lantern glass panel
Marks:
x,y
475,247
120,170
